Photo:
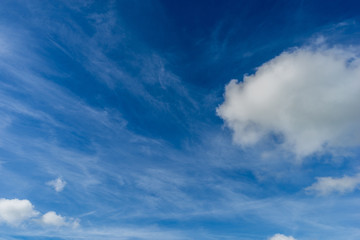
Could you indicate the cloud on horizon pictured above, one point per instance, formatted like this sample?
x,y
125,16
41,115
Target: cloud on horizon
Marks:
x,y
281,237
309,97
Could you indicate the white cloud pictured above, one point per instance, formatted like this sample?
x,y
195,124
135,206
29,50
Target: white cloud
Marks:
x,y
51,218
15,211
281,237
310,97
58,184
327,185
56,220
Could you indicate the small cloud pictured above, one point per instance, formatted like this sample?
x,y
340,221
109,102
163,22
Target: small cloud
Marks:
x,y
15,211
75,223
51,218
56,220
279,236
327,185
58,184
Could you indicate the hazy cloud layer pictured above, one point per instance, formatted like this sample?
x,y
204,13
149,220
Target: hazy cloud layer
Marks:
x,y
309,97
327,185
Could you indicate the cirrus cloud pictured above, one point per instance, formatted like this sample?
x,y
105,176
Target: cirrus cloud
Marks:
x,y
310,97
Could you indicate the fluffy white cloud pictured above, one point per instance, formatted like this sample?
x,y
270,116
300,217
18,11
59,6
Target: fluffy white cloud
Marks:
x,y
281,237
15,211
327,185
310,97
53,219
58,184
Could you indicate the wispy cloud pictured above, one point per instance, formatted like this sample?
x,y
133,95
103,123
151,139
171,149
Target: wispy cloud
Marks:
x,y
145,233
58,184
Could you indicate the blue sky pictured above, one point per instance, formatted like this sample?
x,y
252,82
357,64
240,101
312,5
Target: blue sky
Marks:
x,y
168,120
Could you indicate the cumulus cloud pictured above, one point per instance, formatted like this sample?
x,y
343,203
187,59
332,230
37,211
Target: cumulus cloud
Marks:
x,y
53,219
15,211
309,97
327,185
58,184
281,237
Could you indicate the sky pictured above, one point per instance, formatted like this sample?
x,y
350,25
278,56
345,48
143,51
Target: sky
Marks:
x,y
179,120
